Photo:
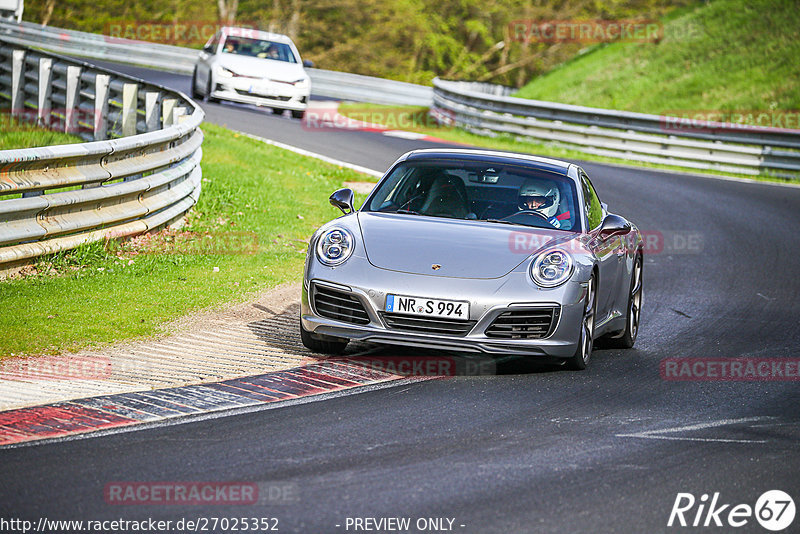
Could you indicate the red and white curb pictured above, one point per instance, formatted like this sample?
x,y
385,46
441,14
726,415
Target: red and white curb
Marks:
x,y
95,414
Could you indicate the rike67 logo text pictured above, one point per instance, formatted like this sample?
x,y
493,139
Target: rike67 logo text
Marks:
x,y
774,510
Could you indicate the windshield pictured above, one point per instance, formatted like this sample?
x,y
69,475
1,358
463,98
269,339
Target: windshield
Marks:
x,y
246,46
513,194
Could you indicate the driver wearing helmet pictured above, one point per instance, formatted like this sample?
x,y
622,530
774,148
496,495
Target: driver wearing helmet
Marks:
x,y
542,198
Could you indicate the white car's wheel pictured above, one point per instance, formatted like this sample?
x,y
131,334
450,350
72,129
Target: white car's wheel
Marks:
x,y
195,93
208,92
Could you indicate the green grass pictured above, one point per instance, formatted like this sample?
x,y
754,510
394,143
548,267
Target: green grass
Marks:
x,y
721,55
415,119
17,134
98,294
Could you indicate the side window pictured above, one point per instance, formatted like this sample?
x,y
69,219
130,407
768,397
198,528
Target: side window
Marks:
x,y
594,210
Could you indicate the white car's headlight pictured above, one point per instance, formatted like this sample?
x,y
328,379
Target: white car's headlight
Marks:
x,y
552,268
224,73
335,246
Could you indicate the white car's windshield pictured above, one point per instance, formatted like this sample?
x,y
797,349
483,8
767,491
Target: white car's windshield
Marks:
x,y
260,48
513,194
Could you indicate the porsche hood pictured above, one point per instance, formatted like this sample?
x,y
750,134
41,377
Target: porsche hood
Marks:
x,y
450,248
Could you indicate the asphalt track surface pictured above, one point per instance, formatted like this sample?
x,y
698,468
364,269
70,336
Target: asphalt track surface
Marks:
x,y
531,448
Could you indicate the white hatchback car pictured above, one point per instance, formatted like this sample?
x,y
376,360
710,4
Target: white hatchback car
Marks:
x,y
253,67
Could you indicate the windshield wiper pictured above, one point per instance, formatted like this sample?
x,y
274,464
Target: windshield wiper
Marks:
x,y
407,212
501,221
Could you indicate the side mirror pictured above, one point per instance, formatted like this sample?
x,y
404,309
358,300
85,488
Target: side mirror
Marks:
x,y
209,50
343,199
308,63
614,225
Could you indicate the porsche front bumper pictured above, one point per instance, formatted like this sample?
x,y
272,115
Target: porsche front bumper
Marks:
x,y
488,300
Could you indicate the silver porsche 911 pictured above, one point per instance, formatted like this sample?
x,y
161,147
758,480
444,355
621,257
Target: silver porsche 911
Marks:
x,y
471,250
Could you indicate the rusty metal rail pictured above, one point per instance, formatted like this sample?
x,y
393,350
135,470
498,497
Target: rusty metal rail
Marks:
x,y
139,172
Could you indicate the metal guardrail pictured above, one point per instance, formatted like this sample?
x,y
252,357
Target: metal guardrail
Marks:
x,y
487,109
328,83
140,172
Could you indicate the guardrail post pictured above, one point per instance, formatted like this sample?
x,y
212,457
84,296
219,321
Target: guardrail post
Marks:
x,y
130,95
101,84
45,79
152,110
73,99
178,115
167,107
17,83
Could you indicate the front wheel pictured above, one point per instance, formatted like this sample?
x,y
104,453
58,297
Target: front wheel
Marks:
x,y
583,353
325,346
297,114
208,92
195,93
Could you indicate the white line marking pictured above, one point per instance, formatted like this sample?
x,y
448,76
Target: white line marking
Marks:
x,y
304,152
657,434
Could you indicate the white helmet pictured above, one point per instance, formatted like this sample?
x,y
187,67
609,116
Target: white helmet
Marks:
x,y
545,193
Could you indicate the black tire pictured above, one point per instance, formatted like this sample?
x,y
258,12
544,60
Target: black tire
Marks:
x,y
583,352
208,92
297,114
627,338
324,346
195,93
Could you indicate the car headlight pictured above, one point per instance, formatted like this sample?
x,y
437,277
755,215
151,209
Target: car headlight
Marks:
x,y
228,73
335,246
224,73
552,268
302,82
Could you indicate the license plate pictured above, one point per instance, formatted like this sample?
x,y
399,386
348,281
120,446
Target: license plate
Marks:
x,y
261,91
454,309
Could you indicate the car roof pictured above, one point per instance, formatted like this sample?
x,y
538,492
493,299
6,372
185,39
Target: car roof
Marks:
x,y
258,34
490,156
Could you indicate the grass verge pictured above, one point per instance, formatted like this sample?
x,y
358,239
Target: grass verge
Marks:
x,y
19,134
720,55
258,206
